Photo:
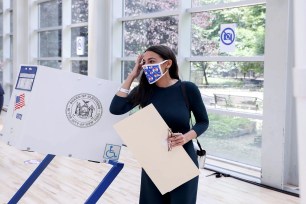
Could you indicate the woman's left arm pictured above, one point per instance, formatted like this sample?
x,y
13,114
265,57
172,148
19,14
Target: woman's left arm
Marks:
x,y
200,114
198,108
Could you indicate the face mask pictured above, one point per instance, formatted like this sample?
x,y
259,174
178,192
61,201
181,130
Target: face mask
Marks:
x,y
154,72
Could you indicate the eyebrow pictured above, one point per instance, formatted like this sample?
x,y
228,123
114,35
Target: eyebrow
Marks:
x,y
151,58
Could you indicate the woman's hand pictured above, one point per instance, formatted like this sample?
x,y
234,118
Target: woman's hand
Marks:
x,y
137,68
177,139
129,80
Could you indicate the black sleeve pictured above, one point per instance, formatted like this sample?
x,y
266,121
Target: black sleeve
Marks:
x,y
197,107
121,105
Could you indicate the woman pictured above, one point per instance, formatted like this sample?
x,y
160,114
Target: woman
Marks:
x,y
160,85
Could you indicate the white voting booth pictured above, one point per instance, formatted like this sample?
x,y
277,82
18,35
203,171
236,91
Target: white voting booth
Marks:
x,y
62,113
57,112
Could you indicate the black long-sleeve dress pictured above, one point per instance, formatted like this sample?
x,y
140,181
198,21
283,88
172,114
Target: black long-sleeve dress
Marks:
x,y
171,105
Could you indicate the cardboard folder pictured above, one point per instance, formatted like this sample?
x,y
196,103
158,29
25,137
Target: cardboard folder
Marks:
x,y
145,134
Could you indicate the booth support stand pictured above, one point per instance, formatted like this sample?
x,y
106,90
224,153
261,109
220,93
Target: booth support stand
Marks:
x,y
93,198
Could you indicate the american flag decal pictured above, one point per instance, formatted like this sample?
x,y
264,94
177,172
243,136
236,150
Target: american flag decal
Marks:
x,y
19,102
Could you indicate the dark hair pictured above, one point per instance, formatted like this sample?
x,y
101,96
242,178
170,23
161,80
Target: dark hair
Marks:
x,y
144,90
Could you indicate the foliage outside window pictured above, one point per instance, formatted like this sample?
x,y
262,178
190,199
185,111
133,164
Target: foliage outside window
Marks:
x,y
79,14
198,3
50,14
234,138
51,63
140,34
250,31
138,7
79,11
236,86
230,85
50,43
80,67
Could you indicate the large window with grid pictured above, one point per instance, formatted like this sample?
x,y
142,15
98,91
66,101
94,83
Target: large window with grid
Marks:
x,y
231,82
68,29
6,46
50,33
79,36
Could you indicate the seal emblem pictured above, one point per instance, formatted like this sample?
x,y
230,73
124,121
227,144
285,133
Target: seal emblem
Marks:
x,y
84,110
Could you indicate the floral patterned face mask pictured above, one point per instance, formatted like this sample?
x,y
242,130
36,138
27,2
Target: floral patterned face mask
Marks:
x,y
154,72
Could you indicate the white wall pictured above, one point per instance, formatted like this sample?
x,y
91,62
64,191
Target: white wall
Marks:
x,y
278,141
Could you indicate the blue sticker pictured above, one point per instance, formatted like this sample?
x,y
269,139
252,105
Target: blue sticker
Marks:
x,y
26,78
228,36
112,152
19,116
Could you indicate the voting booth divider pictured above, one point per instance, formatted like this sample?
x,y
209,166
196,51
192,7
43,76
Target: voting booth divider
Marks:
x,y
57,112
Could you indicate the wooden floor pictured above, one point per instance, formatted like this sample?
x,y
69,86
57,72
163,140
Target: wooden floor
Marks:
x,y
68,180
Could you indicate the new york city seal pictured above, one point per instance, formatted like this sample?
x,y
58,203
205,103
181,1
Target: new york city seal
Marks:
x,y
84,110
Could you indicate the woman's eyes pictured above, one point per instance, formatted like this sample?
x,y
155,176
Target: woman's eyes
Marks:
x,y
149,62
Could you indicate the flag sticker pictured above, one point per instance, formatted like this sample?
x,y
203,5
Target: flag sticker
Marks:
x,y
19,101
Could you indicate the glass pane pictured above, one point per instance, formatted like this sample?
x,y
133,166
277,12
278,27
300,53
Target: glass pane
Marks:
x,y
198,3
1,52
250,31
233,138
11,47
50,14
79,41
1,77
50,43
80,67
136,7
140,34
1,24
11,22
57,64
79,11
236,86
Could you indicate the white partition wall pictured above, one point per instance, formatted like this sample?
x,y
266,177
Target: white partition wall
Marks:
x,y
300,88
62,113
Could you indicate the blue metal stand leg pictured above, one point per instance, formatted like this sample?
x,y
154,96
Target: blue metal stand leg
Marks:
x,y
108,179
27,184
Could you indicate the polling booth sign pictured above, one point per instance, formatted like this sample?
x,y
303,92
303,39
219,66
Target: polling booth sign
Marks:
x,y
62,113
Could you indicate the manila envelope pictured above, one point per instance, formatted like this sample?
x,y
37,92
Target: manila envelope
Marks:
x,y
145,134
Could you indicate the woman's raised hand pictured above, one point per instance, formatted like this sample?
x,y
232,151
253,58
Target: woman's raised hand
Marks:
x,y
138,67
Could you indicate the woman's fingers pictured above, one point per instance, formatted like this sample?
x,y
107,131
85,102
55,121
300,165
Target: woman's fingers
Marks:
x,y
177,139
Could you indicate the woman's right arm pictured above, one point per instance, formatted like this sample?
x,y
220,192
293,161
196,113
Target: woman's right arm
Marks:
x,y
126,85
121,103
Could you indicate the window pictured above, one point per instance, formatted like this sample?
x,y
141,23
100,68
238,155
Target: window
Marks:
x,y
79,36
50,33
6,46
79,42
141,31
199,3
138,7
250,27
231,83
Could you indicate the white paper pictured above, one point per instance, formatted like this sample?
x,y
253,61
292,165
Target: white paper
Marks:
x,y
145,134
